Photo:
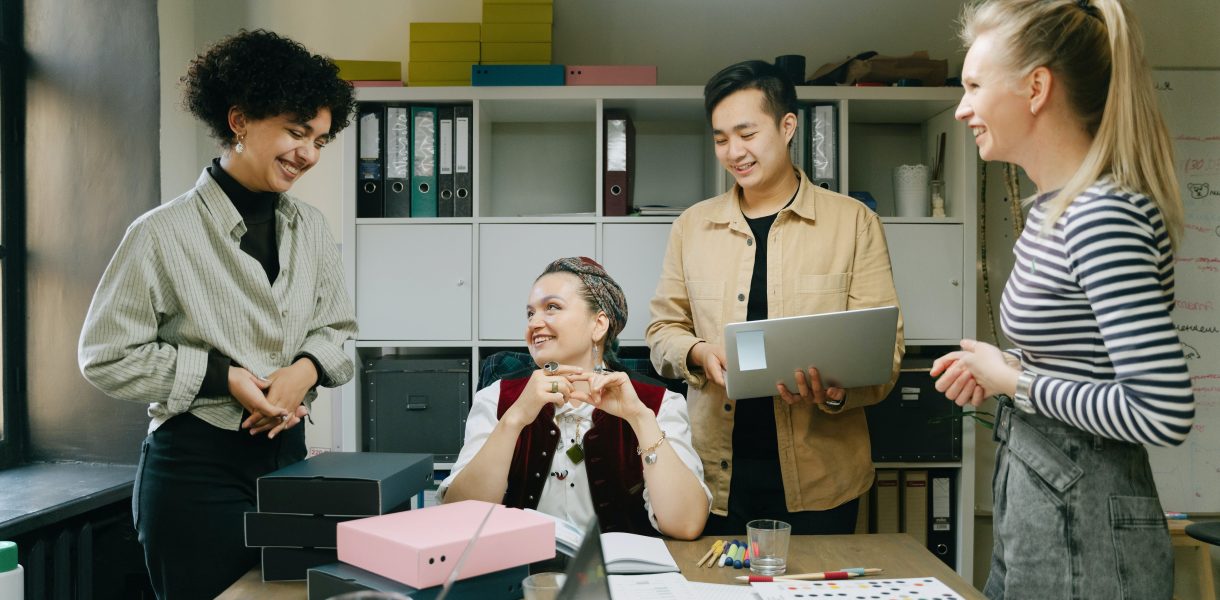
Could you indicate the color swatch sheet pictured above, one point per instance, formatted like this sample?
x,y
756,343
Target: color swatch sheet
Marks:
x,y
922,588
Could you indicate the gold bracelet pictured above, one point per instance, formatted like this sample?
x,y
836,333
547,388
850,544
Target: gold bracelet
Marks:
x,y
651,457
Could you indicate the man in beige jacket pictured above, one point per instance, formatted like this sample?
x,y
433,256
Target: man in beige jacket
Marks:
x,y
774,246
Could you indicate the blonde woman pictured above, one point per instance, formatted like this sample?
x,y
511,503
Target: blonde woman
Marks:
x,y
1062,89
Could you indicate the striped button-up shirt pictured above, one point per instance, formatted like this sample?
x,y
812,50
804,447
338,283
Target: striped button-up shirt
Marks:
x,y
179,285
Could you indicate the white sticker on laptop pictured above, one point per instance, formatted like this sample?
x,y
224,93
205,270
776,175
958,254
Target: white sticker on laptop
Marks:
x,y
751,351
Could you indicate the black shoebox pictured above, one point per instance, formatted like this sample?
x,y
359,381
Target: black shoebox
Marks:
x,y
292,564
293,531
345,483
337,578
915,423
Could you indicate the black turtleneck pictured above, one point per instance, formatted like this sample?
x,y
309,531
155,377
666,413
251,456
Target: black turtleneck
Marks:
x,y
257,210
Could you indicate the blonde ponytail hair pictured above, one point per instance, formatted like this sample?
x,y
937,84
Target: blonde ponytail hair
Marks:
x,y
1095,49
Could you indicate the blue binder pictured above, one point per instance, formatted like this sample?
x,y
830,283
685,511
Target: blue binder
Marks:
x,y
490,75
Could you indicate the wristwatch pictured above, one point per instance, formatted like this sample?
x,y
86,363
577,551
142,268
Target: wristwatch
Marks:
x,y
1025,385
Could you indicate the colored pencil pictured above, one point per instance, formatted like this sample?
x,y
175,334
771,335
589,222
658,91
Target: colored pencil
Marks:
x,y
821,575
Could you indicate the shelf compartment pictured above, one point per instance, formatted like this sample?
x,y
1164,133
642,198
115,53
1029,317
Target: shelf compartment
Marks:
x,y
536,157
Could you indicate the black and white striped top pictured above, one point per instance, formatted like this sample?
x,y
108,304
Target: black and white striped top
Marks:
x,y
1088,308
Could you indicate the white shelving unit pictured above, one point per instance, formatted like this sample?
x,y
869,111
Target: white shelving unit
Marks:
x,y
455,287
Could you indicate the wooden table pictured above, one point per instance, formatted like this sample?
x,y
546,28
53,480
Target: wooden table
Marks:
x,y
899,554
1202,556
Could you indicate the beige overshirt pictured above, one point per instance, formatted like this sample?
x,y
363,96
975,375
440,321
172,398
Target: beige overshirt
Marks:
x,y
826,252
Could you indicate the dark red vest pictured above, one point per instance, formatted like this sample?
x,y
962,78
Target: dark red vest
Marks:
x,y
616,477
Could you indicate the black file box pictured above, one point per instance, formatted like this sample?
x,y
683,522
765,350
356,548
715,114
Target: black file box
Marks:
x,y
292,564
416,404
339,578
287,530
345,483
915,423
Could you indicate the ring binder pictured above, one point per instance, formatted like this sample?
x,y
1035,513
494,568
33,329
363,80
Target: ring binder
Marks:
x,y
369,195
618,159
823,134
398,160
444,160
423,161
463,197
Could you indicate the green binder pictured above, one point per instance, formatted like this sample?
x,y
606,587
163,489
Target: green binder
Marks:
x,y
423,161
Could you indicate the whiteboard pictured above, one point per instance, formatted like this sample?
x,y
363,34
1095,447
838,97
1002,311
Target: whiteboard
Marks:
x,y
1188,477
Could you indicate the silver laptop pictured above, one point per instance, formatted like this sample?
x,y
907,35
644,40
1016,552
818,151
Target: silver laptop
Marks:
x,y
850,349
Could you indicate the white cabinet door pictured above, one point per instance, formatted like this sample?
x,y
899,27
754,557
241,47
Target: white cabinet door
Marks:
x,y
927,263
413,282
633,256
511,256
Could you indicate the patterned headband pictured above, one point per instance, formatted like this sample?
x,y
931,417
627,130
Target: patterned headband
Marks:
x,y
601,287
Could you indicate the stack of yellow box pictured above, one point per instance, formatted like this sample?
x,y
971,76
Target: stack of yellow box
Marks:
x,y
517,32
371,73
442,53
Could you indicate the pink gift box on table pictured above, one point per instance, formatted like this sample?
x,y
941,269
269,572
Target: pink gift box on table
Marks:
x,y
421,547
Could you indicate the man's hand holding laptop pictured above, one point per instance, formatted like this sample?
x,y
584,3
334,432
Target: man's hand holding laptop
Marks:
x,y
711,358
811,391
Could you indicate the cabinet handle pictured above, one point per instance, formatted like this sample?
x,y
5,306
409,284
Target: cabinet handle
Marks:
x,y
954,282
462,282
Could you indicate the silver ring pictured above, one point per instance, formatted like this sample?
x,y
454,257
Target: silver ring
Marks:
x,y
550,368
554,387
283,417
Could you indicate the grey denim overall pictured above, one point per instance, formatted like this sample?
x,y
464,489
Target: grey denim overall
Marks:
x,y
1076,515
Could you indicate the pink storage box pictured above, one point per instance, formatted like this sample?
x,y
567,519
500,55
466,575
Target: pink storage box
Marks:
x,y
610,75
421,547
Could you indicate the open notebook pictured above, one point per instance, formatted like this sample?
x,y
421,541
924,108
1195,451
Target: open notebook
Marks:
x,y
625,553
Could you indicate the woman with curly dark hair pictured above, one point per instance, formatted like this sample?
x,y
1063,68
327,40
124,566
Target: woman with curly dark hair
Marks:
x,y
223,309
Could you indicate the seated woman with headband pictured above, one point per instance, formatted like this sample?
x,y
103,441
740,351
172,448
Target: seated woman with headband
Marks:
x,y
579,437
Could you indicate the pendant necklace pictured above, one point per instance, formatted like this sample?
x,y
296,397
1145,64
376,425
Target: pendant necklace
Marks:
x,y
575,452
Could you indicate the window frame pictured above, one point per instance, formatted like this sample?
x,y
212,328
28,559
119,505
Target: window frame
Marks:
x,y
13,68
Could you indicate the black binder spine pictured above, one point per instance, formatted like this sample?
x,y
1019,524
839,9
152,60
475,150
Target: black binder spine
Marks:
x,y
398,161
370,199
823,150
444,159
942,515
463,169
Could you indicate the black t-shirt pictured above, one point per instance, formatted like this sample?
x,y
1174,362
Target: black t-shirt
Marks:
x,y
754,420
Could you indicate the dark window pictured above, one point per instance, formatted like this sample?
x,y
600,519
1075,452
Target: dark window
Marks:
x,y
12,196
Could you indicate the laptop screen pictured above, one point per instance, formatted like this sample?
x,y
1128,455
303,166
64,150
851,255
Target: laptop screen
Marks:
x,y
586,574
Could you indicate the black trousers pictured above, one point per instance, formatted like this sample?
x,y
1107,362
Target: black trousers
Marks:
x,y
192,488
757,492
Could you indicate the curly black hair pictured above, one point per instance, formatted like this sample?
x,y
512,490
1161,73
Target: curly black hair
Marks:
x,y
264,75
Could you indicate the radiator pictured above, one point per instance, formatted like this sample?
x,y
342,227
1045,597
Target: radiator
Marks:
x,y
87,557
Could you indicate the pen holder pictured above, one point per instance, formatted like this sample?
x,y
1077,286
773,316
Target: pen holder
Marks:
x,y
937,188
911,190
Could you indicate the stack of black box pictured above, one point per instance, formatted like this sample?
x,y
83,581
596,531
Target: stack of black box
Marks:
x,y
300,505
338,578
